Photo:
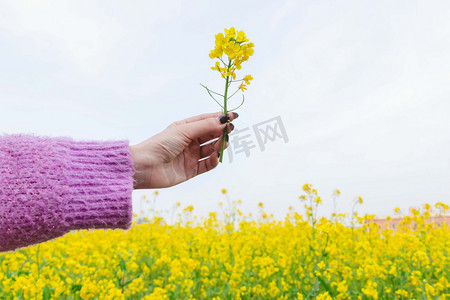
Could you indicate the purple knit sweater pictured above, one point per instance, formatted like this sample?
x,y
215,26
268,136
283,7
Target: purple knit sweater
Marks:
x,y
49,186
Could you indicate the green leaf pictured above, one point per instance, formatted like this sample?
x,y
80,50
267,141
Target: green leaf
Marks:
x,y
122,265
326,285
76,287
47,293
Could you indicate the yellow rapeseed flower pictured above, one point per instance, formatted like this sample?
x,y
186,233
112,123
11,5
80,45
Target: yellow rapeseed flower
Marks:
x,y
236,47
306,187
359,200
235,256
190,208
247,79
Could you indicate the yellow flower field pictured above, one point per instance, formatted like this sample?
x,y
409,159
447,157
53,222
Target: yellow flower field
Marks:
x,y
235,257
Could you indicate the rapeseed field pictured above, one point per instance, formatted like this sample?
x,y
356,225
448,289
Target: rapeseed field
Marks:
x,y
238,257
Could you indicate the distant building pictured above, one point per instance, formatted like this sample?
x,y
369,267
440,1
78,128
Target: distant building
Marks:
x,y
394,223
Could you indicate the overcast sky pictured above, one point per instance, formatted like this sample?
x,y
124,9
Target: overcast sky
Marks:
x,y
362,89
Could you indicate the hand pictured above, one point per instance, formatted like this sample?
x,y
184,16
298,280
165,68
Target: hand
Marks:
x,y
172,156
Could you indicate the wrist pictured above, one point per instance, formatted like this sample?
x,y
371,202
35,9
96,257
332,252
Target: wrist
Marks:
x,y
141,167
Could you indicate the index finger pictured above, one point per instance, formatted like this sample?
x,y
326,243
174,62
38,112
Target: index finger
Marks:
x,y
232,115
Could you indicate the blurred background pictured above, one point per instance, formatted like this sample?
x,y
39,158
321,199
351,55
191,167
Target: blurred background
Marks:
x,y
362,90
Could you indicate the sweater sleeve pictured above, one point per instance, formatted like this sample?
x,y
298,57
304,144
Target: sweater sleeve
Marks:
x,y
50,186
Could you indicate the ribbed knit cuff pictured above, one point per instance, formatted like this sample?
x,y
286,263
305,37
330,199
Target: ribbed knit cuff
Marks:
x,y
100,181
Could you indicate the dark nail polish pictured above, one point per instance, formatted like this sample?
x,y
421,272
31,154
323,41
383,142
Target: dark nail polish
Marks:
x,y
236,115
224,118
227,138
232,126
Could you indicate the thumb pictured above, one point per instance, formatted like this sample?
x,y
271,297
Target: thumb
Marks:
x,y
209,126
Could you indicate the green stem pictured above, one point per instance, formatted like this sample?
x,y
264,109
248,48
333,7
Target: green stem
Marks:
x,y
209,92
243,99
234,93
225,130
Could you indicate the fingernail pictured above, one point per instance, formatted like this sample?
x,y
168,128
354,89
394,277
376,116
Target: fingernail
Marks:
x,y
218,154
227,138
232,126
236,115
224,118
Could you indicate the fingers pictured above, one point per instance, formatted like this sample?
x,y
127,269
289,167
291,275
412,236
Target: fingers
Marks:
x,y
208,149
205,128
232,116
207,138
198,118
213,147
213,151
207,164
